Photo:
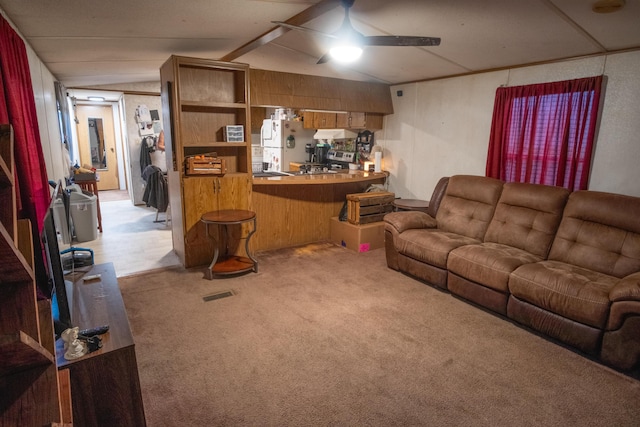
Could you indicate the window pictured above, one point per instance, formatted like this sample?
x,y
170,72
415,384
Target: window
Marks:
x,y
543,134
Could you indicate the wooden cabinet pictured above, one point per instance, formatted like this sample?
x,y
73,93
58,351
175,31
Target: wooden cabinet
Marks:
x,y
319,120
370,121
350,120
316,93
29,382
209,194
200,98
324,120
105,385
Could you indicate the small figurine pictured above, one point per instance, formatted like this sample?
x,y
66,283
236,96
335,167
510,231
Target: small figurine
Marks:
x,y
73,347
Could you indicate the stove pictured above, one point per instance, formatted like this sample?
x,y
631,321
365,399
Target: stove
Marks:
x,y
313,168
338,159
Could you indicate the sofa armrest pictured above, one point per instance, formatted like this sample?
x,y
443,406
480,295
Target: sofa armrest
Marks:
x,y
627,289
401,221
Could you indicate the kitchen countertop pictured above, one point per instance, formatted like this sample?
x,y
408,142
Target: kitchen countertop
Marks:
x,y
321,178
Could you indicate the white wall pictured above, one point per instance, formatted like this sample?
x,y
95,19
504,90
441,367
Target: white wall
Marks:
x,y
134,141
47,113
441,127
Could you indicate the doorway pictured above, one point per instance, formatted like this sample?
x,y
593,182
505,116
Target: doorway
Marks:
x,y
97,143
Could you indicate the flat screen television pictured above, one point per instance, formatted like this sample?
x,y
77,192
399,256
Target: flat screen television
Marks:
x,y
60,296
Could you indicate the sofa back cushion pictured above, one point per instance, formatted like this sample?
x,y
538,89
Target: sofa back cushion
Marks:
x,y
527,217
601,232
437,195
468,205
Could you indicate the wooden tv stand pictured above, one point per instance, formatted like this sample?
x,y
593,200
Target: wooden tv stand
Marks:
x,y
105,387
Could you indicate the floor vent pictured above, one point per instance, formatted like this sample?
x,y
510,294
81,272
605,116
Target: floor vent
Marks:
x,y
219,295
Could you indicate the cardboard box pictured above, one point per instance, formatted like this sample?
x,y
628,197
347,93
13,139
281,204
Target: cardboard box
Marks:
x,y
359,238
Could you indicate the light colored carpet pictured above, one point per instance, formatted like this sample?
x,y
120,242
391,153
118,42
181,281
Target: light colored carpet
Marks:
x,y
325,336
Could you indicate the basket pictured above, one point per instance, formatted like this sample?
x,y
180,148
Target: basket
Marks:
x,y
364,208
205,165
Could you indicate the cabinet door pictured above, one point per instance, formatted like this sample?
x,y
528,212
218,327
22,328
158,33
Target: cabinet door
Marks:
x,y
212,193
373,121
342,120
351,120
324,120
200,196
233,192
357,120
204,194
307,120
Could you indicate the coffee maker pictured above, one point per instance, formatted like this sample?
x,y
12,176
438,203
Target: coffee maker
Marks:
x,y
310,149
320,154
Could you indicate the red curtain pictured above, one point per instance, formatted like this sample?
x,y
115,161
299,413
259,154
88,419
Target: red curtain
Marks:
x,y
17,107
544,133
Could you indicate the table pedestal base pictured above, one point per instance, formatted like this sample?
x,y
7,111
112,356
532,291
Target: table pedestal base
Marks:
x,y
228,264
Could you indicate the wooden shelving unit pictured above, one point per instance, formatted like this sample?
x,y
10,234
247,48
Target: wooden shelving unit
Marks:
x,y
200,98
29,382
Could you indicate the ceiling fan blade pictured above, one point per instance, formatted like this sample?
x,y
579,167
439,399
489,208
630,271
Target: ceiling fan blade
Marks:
x,y
324,58
401,41
305,29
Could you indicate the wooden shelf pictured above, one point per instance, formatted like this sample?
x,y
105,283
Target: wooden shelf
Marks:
x,y
218,144
15,268
233,264
7,181
214,105
6,156
28,371
200,98
20,352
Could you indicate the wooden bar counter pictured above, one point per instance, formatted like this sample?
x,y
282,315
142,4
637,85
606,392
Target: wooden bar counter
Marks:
x,y
296,210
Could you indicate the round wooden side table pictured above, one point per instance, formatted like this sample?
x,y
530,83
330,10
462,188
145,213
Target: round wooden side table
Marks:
x,y
230,263
411,205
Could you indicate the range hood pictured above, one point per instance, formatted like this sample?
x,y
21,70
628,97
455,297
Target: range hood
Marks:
x,y
329,134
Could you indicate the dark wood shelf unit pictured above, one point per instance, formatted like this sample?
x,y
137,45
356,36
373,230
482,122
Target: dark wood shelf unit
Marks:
x,y
29,380
105,386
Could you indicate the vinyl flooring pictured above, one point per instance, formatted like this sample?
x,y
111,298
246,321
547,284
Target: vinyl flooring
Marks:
x,y
130,238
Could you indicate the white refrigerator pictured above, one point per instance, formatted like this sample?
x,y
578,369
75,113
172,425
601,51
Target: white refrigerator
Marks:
x,y
283,142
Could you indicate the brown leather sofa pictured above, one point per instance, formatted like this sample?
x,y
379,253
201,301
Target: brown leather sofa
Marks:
x,y
564,264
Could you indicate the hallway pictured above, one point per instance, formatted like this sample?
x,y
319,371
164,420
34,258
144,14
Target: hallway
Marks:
x,y
131,240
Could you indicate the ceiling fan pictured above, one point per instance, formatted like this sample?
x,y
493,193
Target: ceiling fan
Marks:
x,y
348,43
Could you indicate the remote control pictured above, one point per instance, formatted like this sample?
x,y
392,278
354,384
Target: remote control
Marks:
x,y
92,277
91,332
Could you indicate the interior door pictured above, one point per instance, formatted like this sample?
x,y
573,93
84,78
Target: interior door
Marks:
x,y
97,143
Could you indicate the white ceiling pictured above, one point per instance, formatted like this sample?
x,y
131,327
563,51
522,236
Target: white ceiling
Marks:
x,y
97,42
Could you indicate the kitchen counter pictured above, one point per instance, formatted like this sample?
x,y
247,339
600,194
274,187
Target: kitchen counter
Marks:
x,y
297,210
339,177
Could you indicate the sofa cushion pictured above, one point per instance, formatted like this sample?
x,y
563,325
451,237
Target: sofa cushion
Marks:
x,y
489,264
601,232
521,231
468,205
431,246
527,217
574,292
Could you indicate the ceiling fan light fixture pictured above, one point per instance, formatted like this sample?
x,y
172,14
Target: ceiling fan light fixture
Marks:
x,y
346,52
